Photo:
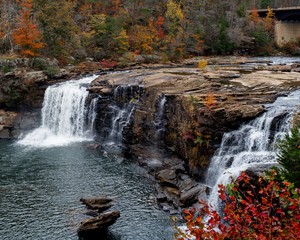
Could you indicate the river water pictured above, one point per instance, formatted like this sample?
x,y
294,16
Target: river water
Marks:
x,y
44,174
40,190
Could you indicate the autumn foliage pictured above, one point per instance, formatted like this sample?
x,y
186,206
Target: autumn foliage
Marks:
x,y
27,36
260,208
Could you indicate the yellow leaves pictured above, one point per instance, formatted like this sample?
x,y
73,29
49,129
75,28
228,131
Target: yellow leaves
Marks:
x,y
267,23
98,23
270,13
202,64
122,42
174,11
142,38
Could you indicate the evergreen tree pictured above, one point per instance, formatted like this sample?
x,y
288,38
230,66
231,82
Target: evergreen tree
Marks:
x,y
289,156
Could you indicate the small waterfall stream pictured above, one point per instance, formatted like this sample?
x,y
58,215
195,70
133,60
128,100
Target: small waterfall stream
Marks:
x,y
159,118
65,116
253,145
123,108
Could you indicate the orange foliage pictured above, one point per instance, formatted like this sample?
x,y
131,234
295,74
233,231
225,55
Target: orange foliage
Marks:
x,y
210,101
27,35
255,16
267,22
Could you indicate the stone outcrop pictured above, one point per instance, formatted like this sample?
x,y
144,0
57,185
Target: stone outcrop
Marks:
x,y
200,105
98,224
99,203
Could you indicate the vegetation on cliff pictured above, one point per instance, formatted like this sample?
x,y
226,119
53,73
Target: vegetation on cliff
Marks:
x,y
289,156
254,208
120,30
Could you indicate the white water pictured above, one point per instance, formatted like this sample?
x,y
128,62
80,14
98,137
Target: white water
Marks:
x,y
253,145
122,114
64,116
159,122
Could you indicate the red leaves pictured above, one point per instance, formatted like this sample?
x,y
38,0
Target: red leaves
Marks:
x,y
256,208
107,63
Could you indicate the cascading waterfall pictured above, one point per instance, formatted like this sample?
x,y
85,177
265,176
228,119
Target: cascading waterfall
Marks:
x,y
122,112
65,116
159,121
253,145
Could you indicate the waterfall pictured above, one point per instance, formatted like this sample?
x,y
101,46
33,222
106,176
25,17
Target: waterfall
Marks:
x,y
65,116
122,111
253,145
159,121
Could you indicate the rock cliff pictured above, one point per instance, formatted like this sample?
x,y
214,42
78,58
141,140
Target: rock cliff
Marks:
x,y
198,105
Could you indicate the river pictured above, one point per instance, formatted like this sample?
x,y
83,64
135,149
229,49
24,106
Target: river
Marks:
x,y
40,190
44,174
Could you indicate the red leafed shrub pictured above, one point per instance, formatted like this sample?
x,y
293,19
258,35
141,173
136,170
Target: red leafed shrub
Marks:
x,y
107,63
262,208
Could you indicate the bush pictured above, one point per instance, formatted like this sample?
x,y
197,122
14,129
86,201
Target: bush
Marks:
x,y
51,71
289,156
254,208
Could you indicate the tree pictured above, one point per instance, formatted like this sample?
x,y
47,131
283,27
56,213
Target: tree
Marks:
x,y
175,31
60,31
8,12
262,31
254,208
27,35
289,156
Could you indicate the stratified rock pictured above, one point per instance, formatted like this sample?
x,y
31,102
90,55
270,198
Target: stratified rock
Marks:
x,y
167,177
98,203
192,195
99,224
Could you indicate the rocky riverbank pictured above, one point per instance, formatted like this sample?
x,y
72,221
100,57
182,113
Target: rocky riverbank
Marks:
x,y
170,119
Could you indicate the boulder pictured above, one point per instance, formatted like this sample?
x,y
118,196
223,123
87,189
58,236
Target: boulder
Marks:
x,y
192,195
98,203
167,177
99,224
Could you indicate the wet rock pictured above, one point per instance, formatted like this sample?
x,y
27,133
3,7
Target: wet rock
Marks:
x,y
98,225
167,177
93,146
154,164
192,195
36,76
161,197
98,203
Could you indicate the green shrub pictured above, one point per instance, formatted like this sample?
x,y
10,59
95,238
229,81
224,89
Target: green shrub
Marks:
x,y
6,69
289,156
39,64
51,71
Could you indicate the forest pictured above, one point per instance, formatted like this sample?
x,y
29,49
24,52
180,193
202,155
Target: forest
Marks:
x,y
119,30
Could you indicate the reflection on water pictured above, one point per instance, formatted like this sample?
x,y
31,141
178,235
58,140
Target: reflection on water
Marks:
x,y
40,191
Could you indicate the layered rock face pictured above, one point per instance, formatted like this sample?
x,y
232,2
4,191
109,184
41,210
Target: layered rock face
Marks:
x,y
187,110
